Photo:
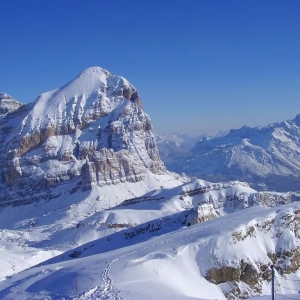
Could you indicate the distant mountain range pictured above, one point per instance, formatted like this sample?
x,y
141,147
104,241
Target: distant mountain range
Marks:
x,y
88,209
174,145
268,157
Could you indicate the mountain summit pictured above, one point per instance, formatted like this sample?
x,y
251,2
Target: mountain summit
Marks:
x,y
116,216
92,131
7,104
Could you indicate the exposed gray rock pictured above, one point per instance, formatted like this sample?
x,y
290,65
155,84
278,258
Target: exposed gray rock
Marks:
x,y
92,130
249,275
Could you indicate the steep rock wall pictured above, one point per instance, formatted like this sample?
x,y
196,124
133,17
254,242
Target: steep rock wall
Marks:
x,y
93,131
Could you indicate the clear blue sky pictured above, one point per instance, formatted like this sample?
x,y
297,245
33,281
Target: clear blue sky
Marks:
x,y
200,65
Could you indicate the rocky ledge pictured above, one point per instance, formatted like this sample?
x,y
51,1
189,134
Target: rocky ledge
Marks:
x,y
92,131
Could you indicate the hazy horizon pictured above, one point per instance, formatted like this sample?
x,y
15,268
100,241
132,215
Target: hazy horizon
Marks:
x,y
200,66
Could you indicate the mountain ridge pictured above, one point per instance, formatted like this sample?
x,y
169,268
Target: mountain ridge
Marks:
x,y
89,209
263,155
93,128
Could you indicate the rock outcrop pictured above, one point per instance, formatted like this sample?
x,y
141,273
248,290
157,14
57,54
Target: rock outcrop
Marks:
x,y
276,239
93,131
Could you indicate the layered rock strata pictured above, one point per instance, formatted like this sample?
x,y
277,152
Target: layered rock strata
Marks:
x,y
93,131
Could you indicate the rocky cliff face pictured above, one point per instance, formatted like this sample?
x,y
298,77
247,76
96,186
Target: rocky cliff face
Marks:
x,y
92,131
270,240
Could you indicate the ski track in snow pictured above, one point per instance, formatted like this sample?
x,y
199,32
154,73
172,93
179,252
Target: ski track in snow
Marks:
x,y
107,291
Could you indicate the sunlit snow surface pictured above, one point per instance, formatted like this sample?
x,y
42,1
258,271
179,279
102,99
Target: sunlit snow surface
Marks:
x,y
32,233
171,266
93,245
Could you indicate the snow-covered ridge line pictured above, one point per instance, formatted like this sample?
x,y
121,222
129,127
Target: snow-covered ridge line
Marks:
x,y
132,235
213,187
92,130
133,201
84,159
224,258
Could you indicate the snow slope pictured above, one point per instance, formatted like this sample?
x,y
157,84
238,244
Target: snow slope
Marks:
x,y
35,232
88,210
184,264
124,214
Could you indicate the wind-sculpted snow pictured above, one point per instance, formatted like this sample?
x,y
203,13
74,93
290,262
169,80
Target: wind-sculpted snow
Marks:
x,y
104,219
267,157
93,131
224,258
116,215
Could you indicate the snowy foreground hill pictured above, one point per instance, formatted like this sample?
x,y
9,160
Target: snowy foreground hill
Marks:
x,y
224,258
89,211
267,157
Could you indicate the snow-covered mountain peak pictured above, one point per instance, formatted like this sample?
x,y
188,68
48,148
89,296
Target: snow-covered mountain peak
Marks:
x,y
94,91
96,115
84,160
296,120
97,79
5,96
7,104
90,71
91,80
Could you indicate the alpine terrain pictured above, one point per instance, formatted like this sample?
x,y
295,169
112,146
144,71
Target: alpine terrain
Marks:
x,y
268,157
89,211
